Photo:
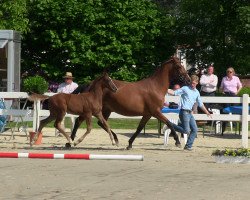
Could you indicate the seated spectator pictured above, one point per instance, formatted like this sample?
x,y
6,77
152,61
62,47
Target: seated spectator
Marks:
x,y
2,117
67,87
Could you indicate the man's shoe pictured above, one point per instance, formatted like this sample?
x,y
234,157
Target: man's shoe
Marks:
x,y
188,148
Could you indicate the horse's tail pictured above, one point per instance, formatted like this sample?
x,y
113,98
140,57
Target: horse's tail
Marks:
x,y
35,97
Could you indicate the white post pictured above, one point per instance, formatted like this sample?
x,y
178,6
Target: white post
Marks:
x,y
245,120
10,67
36,115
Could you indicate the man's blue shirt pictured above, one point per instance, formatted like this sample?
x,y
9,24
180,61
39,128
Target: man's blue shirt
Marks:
x,y
189,97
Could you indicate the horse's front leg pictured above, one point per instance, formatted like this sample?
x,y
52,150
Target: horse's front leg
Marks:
x,y
106,115
106,127
141,125
78,122
58,125
89,127
163,119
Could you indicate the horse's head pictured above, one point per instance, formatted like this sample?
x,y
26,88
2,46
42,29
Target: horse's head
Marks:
x,y
178,72
108,82
104,81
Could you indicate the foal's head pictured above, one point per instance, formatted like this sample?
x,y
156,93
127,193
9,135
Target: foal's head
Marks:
x,y
178,72
103,81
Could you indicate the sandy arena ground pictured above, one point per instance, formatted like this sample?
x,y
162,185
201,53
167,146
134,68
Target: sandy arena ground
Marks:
x,y
165,173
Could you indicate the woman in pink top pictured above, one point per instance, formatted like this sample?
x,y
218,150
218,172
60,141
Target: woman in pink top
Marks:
x,y
230,86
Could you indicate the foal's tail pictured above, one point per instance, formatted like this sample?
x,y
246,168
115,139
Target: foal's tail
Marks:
x,y
35,97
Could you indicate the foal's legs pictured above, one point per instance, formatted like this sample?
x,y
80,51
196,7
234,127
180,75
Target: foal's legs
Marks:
x,y
78,122
106,115
58,126
89,127
106,127
80,119
141,125
162,118
42,124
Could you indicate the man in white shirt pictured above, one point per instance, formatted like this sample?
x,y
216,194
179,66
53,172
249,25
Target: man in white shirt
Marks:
x,y
208,83
67,87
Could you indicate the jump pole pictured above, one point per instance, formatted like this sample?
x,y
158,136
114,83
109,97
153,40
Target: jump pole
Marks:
x,y
71,156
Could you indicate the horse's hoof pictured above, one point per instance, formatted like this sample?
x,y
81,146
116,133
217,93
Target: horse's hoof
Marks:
x,y
178,144
67,145
115,144
129,147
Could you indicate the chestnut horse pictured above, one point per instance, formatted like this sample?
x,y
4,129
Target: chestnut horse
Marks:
x,y
84,104
142,98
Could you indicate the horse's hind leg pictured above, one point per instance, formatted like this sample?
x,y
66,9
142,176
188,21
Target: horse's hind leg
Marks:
x,y
106,115
44,122
89,127
58,125
141,125
78,122
106,127
162,118
113,134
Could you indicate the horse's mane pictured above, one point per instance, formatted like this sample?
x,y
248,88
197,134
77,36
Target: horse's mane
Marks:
x,y
94,82
173,59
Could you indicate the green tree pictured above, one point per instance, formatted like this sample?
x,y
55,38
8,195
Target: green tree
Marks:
x,y
85,36
13,15
215,31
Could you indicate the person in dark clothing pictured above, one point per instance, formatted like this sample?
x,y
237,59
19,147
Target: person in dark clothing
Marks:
x,y
81,89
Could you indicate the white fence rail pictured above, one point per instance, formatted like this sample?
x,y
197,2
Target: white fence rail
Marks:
x,y
244,118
